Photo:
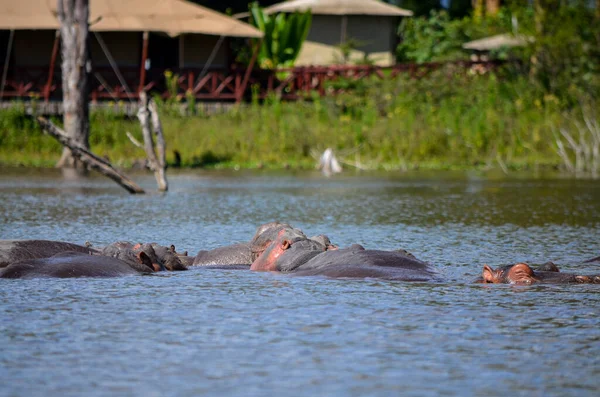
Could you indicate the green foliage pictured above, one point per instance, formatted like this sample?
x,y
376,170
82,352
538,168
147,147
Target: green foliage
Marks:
x,y
440,38
284,35
563,57
452,118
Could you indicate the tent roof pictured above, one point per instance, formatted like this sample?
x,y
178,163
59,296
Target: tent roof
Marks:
x,y
340,7
171,16
496,42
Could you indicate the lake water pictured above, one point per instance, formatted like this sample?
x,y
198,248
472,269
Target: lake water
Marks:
x,y
240,333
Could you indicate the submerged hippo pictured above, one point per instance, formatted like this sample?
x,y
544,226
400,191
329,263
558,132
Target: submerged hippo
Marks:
x,y
596,259
76,264
523,274
298,255
243,254
12,251
160,256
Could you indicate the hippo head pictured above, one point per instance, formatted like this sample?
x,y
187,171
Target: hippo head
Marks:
x,y
325,241
520,273
288,251
266,234
168,257
136,257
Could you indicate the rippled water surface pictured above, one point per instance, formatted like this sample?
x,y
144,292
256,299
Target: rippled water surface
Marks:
x,y
218,332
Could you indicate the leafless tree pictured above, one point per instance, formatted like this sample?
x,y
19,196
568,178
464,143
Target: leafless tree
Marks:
x,y
76,67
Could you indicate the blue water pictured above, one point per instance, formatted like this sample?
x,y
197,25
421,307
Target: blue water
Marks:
x,y
218,332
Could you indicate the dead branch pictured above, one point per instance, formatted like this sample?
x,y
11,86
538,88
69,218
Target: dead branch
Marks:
x,y
156,163
99,164
133,140
576,149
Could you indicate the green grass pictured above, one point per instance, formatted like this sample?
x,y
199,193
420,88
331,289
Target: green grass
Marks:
x,y
445,121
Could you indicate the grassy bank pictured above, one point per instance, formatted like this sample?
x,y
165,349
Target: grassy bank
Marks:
x,y
453,119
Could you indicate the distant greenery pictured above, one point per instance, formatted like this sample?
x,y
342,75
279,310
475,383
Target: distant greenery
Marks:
x,y
454,118
564,52
438,37
546,96
284,35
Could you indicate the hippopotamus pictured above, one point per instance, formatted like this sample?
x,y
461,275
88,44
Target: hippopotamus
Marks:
x,y
596,259
242,255
71,264
161,257
523,274
12,251
294,254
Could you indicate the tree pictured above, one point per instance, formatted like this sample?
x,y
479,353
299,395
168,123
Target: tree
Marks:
x,y
486,7
76,65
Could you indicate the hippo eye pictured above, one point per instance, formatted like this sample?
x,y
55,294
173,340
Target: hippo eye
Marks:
x,y
285,245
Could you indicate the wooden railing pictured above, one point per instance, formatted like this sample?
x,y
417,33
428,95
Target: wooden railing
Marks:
x,y
215,84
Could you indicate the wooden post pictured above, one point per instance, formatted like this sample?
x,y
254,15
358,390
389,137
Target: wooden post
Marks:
x,y
89,158
73,16
240,94
148,112
344,30
181,52
144,59
52,64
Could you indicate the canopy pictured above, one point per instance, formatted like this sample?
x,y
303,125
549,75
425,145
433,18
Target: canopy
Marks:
x,y
340,7
171,16
497,42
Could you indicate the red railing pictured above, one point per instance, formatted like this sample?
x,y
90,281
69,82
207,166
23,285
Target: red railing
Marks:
x,y
299,82
215,84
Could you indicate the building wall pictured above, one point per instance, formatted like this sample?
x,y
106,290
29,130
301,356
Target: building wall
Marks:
x,y
33,47
375,35
197,49
124,47
326,29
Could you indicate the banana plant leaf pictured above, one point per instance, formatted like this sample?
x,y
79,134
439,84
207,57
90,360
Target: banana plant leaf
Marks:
x,y
284,35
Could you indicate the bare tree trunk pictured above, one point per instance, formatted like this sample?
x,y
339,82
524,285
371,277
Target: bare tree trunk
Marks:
x,y
76,66
478,8
156,162
492,7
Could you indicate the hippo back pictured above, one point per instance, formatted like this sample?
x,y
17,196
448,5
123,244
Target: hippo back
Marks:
x,y
69,265
355,263
12,251
236,254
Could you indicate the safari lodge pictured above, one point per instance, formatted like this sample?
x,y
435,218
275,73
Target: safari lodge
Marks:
x,y
136,44
133,43
367,28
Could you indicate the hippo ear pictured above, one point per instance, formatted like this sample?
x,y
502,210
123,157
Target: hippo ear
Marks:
x,y
285,244
172,248
145,260
548,267
488,275
521,273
